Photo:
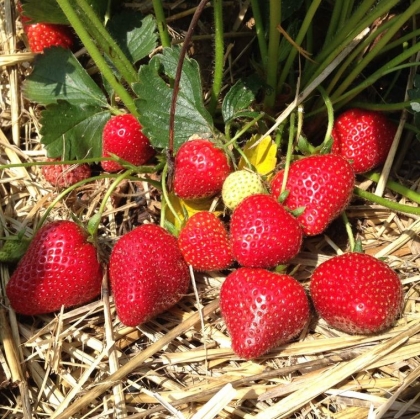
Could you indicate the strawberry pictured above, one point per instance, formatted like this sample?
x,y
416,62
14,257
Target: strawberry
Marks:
x,y
357,293
60,268
45,35
122,136
240,184
65,175
204,242
262,309
147,272
200,170
320,185
263,233
363,137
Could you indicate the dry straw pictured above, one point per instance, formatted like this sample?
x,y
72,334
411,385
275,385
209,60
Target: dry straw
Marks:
x,y
82,363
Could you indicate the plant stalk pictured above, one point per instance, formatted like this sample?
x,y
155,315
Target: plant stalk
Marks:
x,y
273,53
386,36
79,27
106,43
165,39
362,18
299,39
259,30
218,55
394,206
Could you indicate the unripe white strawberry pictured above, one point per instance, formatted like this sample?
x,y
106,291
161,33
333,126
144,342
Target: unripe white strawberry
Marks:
x,y
239,185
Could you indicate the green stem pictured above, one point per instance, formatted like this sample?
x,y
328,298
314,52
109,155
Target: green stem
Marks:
x,y
137,169
259,30
106,43
345,12
165,39
389,67
333,23
411,36
307,22
94,222
165,196
273,53
96,55
365,43
349,231
395,206
243,156
289,152
382,107
384,39
218,55
330,112
362,18
396,187
355,55
244,129
61,196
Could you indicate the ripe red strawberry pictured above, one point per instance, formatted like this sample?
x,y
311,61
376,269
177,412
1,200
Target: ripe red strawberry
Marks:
x,y
200,170
65,175
321,184
122,136
357,293
60,268
363,137
262,309
204,242
45,35
148,274
263,233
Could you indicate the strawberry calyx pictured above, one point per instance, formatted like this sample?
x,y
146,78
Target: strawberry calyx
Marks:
x,y
13,249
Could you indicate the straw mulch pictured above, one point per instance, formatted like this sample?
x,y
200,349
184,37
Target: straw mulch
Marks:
x,y
83,363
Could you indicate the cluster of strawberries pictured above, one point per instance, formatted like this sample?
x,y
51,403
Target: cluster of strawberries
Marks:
x,y
265,226
149,267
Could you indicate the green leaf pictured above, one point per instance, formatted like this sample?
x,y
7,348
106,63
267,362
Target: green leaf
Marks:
x,y
73,131
58,75
48,11
239,97
155,94
136,35
93,224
